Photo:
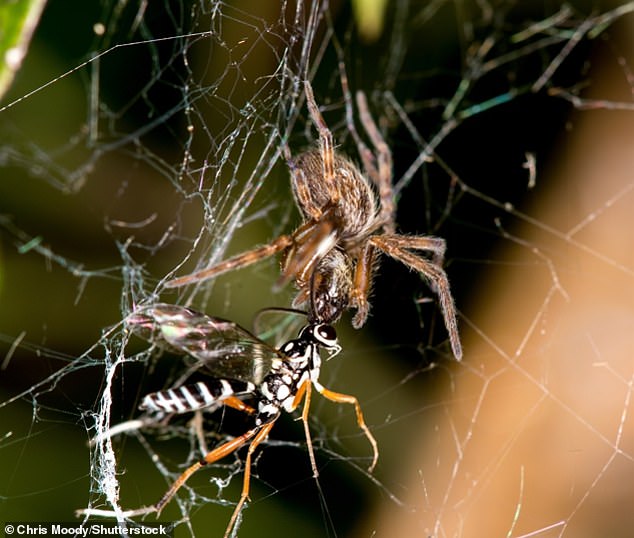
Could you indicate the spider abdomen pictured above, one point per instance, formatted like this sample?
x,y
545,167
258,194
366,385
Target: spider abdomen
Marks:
x,y
349,193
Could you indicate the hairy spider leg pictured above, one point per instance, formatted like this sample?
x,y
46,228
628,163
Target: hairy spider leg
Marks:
x,y
381,172
236,262
362,282
326,146
312,241
367,158
398,248
306,246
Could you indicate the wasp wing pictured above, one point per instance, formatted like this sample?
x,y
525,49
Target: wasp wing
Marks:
x,y
224,349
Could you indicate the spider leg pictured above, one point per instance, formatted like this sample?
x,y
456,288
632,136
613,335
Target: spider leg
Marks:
x,y
367,158
395,246
348,399
363,275
382,174
236,262
326,146
311,242
436,245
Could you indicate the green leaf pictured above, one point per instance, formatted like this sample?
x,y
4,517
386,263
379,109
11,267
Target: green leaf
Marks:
x,y
18,19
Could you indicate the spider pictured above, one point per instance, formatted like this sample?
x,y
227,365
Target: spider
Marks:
x,y
240,366
349,218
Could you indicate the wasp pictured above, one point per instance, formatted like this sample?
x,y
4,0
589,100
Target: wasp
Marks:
x,y
242,372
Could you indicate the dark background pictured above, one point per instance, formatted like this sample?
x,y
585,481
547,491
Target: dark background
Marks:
x,y
58,187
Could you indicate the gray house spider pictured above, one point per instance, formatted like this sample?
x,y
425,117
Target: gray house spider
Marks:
x,y
348,220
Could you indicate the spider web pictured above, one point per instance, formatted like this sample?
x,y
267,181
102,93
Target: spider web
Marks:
x,y
141,141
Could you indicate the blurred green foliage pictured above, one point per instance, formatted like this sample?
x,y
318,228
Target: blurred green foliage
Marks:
x,y
18,20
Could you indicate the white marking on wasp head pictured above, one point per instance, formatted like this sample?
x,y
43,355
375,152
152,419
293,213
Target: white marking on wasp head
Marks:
x,y
323,335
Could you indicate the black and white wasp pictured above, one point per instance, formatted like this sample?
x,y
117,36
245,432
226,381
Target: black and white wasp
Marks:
x,y
241,369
